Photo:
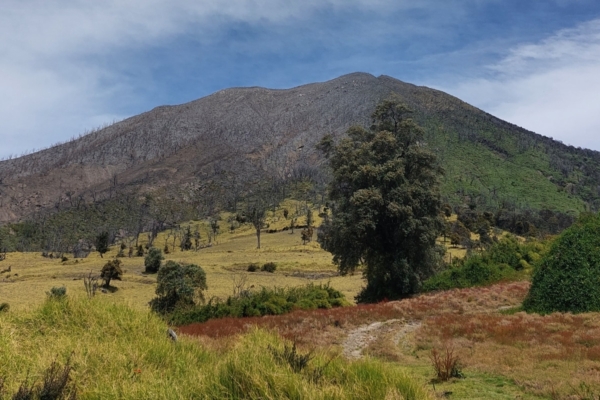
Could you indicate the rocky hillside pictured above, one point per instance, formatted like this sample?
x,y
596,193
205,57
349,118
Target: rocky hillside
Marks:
x,y
244,134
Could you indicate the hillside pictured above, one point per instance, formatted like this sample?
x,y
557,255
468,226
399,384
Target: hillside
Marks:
x,y
236,137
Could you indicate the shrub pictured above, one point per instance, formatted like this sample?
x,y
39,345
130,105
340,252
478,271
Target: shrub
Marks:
x,y
500,262
178,286
269,267
57,292
252,268
4,307
153,260
566,278
274,301
111,270
446,364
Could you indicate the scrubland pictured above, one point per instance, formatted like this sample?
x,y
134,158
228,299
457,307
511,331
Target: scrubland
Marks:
x,y
118,349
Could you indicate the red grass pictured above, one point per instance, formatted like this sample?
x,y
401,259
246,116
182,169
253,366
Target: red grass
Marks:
x,y
308,326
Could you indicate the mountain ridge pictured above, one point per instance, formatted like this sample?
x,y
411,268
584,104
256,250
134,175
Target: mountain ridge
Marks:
x,y
256,131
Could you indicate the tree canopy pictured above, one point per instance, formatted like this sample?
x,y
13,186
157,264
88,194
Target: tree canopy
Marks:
x,y
385,203
567,278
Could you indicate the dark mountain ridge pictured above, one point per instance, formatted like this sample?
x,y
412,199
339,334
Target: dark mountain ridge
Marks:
x,y
246,134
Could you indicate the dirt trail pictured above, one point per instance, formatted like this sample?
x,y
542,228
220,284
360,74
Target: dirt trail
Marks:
x,y
359,339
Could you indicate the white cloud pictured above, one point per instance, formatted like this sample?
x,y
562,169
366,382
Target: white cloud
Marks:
x,y
53,71
551,87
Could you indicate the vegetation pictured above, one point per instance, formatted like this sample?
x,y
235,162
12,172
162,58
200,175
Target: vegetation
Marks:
x,y
144,364
567,278
263,302
386,210
102,243
178,286
111,270
153,260
57,292
506,259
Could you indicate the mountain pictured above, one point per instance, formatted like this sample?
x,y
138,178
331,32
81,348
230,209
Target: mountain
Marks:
x,y
245,134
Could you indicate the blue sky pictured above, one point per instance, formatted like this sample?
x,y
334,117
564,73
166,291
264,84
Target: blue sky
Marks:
x,y
70,66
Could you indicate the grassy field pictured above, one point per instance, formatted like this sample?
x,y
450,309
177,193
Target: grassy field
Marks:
x,y
118,349
226,261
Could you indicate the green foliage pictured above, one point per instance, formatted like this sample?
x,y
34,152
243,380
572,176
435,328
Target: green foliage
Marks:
x,y
386,211
178,286
57,292
153,260
567,278
101,243
4,307
252,267
264,302
500,262
269,267
111,270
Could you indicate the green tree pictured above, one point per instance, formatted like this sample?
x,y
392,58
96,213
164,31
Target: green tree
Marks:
x,y
101,243
153,260
178,285
567,278
386,208
111,270
258,216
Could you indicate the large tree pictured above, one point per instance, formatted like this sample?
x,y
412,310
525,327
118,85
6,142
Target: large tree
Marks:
x,y
386,208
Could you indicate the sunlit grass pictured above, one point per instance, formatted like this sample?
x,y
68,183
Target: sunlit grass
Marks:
x,y
118,352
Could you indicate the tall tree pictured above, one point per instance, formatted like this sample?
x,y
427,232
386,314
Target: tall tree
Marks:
x,y
386,207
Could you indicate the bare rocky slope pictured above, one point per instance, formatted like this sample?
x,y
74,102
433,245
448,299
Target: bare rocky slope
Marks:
x,y
241,133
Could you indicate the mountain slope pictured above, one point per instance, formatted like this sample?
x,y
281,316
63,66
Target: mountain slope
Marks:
x,y
244,134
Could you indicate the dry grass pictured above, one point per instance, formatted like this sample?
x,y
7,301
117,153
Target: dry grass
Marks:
x,y
32,275
556,355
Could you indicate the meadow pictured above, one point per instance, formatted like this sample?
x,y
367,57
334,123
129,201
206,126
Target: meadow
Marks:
x,y
118,349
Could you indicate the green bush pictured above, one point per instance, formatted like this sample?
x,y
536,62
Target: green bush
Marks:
x,y
252,268
4,307
501,261
57,292
178,286
263,302
269,267
111,270
567,278
153,260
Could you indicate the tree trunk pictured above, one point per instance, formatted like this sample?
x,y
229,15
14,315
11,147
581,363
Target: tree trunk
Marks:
x,y
258,237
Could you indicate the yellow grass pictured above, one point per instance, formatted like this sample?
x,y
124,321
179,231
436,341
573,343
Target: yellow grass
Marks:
x,y
32,275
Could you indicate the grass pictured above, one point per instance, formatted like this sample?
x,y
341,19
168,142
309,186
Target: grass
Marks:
x,y
118,352
297,264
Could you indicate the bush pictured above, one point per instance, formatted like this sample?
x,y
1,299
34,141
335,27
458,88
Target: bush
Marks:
x,y
4,307
111,270
566,279
252,268
57,292
153,260
269,267
264,302
500,262
178,286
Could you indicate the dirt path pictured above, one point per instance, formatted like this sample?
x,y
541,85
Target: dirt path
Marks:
x,y
360,338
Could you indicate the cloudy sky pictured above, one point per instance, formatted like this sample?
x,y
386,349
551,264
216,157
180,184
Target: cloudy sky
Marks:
x,y
70,66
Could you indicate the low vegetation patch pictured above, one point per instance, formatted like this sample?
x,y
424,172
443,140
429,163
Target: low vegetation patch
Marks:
x,y
505,260
117,352
265,301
